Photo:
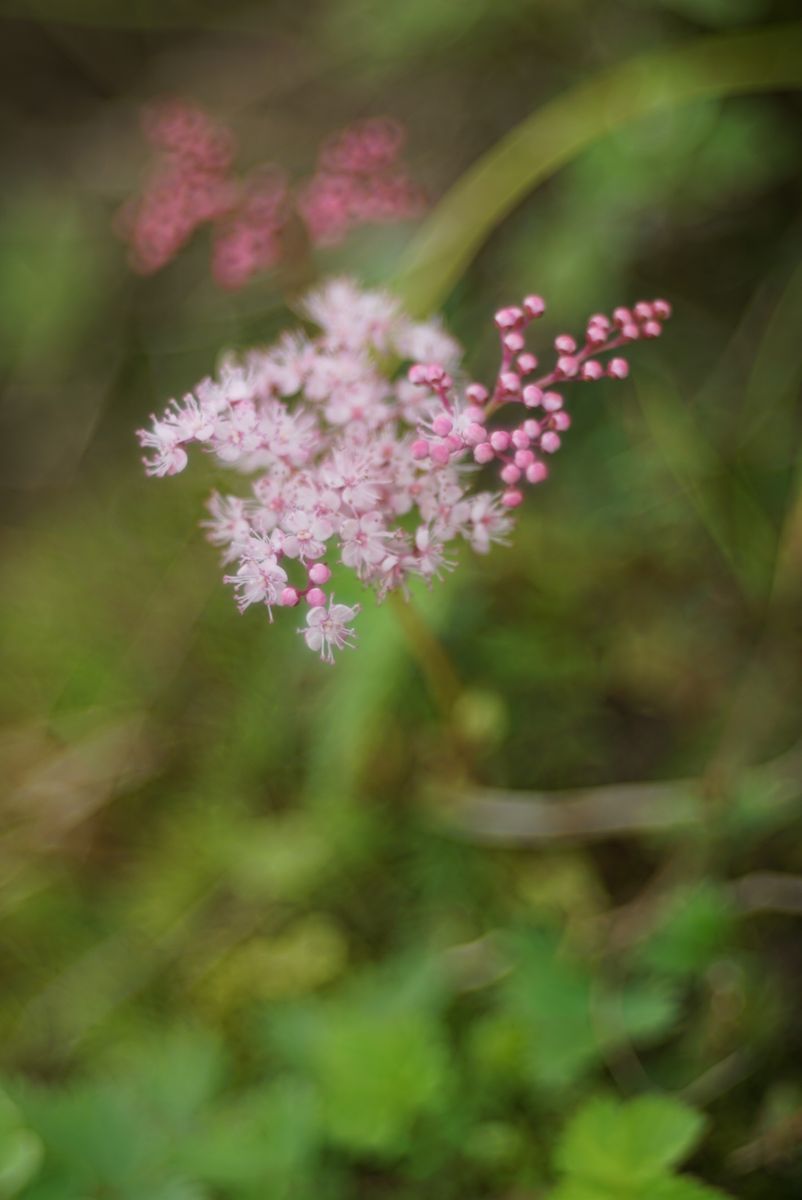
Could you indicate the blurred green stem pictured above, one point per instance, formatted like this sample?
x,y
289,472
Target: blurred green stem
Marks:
x,y
428,651
753,61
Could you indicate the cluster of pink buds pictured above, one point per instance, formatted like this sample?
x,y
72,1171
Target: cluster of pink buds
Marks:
x,y
521,449
359,180
377,474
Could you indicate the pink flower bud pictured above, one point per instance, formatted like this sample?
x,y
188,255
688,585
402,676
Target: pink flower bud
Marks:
x,y
531,428
567,365
474,434
532,395
484,453
596,335
474,413
319,573
537,472
440,453
454,442
442,425
420,448
643,310
417,374
630,331
552,402
500,440
622,316
520,439
524,458
600,321
550,442
514,342
618,368
512,499
652,329
534,306
565,344
438,378
315,598
477,393
661,309
509,318
592,369
510,473
527,363
510,382
289,597
561,421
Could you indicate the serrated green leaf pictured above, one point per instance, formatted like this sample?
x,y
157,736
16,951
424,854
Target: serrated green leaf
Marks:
x,y
377,1072
615,1145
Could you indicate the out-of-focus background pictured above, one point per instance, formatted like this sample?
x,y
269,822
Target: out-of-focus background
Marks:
x,y
275,930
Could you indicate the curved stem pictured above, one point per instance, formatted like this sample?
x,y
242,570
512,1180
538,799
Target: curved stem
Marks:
x,y
427,650
753,61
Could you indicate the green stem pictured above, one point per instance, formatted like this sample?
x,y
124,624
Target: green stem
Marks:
x,y
428,651
753,61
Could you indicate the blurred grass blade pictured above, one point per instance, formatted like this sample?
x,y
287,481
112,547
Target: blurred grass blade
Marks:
x,y
730,513
761,60
351,719
777,367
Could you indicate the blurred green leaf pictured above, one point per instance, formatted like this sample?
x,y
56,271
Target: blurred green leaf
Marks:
x,y
695,927
618,1144
624,1151
263,1143
378,1072
20,1151
52,282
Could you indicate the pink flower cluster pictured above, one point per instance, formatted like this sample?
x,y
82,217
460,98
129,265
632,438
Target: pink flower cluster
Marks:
x,y
189,184
350,466
461,426
360,179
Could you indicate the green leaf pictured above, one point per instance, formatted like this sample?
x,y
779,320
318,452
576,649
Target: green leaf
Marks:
x,y
683,1187
671,1187
696,927
175,1075
377,1072
263,1143
550,995
758,60
20,1151
620,1146
569,1017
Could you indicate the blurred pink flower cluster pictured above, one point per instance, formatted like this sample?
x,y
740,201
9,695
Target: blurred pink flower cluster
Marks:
x,y
377,474
360,179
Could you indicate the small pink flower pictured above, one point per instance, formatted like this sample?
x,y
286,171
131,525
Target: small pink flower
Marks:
x,y
328,629
305,534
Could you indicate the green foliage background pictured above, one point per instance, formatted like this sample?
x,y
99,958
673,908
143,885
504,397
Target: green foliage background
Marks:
x,y
516,917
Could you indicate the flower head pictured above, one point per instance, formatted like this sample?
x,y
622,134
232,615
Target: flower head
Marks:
x,y
371,472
